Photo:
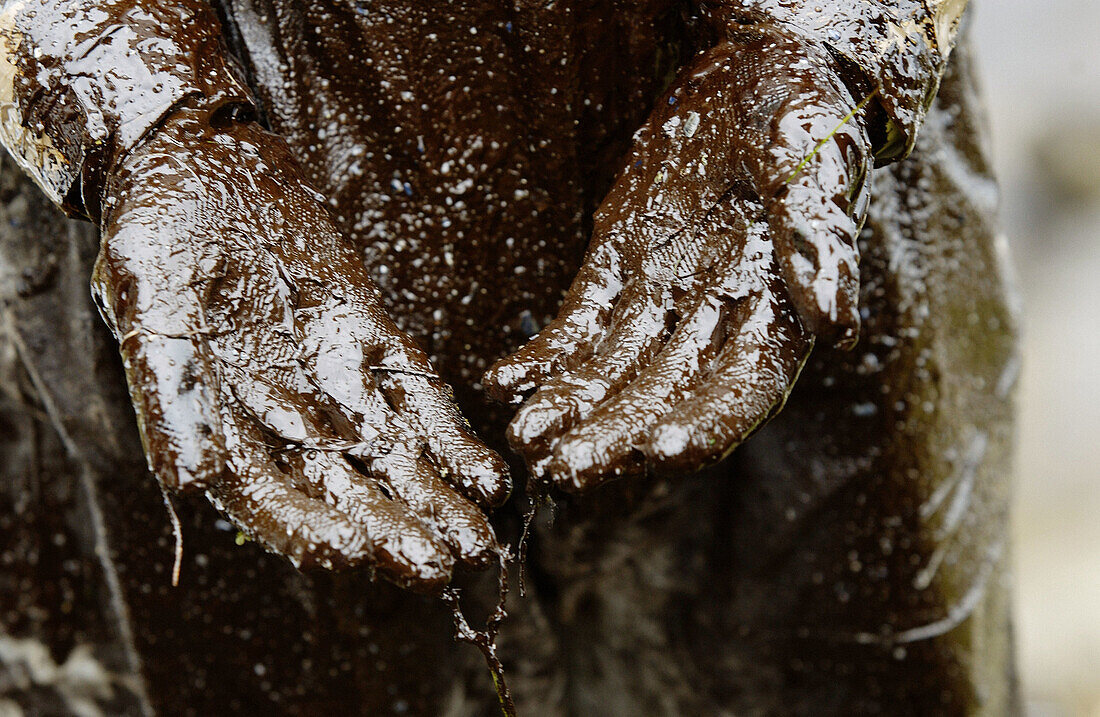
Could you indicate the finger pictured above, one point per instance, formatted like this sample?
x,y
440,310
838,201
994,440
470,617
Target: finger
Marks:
x,y
815,223
398,532
640,327
420,397
359,357
686,263
609,444
750,381
463,527
569,338
174,391
308,531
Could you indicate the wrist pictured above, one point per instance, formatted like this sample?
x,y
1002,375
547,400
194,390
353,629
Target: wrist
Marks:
x,y
893,53
88,81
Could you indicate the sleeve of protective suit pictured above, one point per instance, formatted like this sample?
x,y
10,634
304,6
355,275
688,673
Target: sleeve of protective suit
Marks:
x,y
83,81
896,50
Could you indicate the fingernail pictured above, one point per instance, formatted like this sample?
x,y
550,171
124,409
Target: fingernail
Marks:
x,y
576,465
488,478
541,421
508,382
668,441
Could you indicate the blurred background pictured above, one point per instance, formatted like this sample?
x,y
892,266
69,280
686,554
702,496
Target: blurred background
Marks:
x,y
1041,65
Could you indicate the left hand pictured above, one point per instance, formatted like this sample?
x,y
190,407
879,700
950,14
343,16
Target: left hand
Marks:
x,y
265,371
727,243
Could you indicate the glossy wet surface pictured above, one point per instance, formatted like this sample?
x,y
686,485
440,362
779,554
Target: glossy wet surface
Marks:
x,y
841,560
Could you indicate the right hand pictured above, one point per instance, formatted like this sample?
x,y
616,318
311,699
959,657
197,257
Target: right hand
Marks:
x,y
264,370
725,246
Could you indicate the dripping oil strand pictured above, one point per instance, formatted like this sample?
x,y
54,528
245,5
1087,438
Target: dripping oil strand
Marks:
x,y
485,640
538,494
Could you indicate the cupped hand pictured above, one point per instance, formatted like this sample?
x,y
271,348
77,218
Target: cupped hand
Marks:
x,y
264,370
726,245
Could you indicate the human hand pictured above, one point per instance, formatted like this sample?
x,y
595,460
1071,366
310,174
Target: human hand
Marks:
x,y
727,243
264,370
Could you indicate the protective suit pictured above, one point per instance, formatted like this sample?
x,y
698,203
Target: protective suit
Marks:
x,y
768,218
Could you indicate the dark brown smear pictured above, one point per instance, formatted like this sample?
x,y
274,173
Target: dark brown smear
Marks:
x,y
428,181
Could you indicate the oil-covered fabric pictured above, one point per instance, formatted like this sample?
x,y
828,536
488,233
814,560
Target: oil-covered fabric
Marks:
x,y
848,557
896,49
83,82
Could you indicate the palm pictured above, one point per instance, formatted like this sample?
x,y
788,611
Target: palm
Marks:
x,y
264,370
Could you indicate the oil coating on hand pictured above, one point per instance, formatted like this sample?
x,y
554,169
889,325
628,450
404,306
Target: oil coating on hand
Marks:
x,y
260,362
264,370
847,559
84,82
900,48
680,334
